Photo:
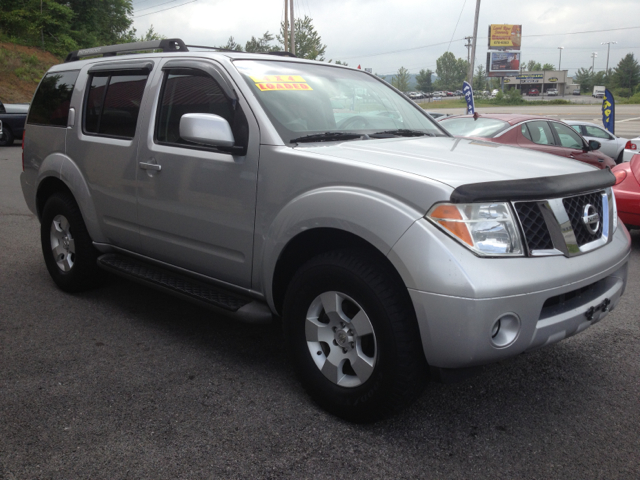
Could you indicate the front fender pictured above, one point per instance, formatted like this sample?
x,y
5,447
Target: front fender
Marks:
x,y
62,167
375,217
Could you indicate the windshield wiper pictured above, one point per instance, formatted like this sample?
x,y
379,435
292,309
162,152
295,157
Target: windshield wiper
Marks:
x,y
402,132
328,137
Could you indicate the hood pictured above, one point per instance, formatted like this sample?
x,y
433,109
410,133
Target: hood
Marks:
x,y
453,161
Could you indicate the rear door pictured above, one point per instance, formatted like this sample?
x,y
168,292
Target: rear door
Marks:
x,y
196,204
104,143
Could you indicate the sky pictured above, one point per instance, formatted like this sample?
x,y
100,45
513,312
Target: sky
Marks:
x,y
385,35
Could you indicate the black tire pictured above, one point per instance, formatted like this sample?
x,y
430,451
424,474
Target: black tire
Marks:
x,y
620,157
7,137
366,288
73,266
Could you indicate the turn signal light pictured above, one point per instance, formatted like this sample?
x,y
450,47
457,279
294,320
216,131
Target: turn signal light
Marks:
x,y
458,228
620,176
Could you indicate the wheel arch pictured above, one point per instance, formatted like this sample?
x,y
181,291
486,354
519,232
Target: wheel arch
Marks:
x,y
59,173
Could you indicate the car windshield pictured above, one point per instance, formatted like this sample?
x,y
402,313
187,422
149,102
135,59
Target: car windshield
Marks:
x,y
304,100
468,127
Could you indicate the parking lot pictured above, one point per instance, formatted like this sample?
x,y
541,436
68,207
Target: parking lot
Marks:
x,y
126,382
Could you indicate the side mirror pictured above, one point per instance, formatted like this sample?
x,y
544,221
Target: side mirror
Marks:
x,y
206,129
594,145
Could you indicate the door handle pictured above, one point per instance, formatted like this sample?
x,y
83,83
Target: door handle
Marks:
x,y
150,166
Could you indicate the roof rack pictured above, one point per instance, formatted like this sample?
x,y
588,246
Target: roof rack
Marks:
x,y
221,49
166,45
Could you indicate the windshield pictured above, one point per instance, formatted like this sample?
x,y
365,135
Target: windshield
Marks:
x,y
468,127
306,99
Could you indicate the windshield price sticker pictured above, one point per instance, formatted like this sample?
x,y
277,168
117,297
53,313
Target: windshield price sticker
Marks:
x,y
281,82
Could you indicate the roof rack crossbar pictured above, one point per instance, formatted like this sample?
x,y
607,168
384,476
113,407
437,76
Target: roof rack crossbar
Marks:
x,y
222,49
166,45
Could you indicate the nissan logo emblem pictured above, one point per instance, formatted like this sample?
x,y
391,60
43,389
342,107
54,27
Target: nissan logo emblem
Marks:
x,y
591,219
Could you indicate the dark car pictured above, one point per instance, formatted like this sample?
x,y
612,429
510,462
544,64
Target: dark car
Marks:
x,y
534,91
529,131
12,120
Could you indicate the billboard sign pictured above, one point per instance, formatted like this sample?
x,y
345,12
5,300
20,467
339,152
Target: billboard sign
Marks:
x,y
504,62
505,37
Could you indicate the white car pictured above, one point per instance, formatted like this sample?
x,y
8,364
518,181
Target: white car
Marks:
x,y
611,145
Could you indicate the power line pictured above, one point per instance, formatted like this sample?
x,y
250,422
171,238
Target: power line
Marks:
x,y
456,27
164,10
155,6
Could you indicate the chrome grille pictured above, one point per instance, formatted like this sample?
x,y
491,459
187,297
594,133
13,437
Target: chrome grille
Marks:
x,y
575,209
534,227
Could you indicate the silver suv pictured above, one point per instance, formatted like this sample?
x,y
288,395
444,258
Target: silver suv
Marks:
x,y
264,185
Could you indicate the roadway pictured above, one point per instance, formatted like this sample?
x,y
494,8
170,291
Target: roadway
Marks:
x,y
125,382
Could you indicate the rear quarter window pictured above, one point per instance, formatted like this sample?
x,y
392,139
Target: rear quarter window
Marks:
x,y
50,104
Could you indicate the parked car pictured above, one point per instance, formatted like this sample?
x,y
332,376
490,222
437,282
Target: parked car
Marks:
x,y
529,131
630,149
458,93
12,119
576,92
552,92
392,251
610,145
598,91
627,190
533,92
494,92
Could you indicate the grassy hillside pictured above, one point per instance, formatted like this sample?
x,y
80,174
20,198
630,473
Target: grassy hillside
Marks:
x,y
21,68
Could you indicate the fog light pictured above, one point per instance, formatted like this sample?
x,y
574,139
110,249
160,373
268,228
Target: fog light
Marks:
x,y
505,330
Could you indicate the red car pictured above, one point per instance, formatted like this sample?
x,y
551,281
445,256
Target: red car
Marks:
x,y
627,191
529,131
533,91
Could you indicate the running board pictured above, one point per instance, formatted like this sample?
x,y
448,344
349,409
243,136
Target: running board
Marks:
x,y
241,308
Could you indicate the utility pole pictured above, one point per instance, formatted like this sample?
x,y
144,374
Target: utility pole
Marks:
x,y
560,61
468,45
593,61
475,40
293,31
286,24
608,44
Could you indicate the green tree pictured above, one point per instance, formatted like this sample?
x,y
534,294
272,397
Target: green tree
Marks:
x,y
627,74
480,78
401,79
338,62
261,45
232,45
548,66
587,79
150,36
423,80
308,42
533,66
104,22
451,71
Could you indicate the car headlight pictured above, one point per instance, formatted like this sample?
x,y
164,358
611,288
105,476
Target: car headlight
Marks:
x,y
488,229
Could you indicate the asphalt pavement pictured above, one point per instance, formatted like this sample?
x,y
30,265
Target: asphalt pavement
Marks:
x,y
125,382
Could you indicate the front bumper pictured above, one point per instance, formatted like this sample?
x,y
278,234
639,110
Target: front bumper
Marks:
x,y
458,297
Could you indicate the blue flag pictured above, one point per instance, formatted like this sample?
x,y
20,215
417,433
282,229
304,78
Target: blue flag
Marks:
x,y
609,111
468,96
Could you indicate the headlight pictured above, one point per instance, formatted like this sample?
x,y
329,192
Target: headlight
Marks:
x,y
488,228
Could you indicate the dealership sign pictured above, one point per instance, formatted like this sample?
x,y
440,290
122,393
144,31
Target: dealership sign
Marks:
x,y
505,37
530,77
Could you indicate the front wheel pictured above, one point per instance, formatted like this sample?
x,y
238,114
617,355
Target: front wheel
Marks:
x,y
68,251
353,335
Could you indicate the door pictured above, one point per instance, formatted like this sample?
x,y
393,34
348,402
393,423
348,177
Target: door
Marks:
x,y
571,142
608,143
196,204
105,141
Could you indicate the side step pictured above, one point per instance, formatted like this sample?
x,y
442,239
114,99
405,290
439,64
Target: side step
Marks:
x,y
241,308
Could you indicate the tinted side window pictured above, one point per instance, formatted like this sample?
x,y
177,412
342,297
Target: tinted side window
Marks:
x,y
540,133
113,104
568,137
51,102
193,91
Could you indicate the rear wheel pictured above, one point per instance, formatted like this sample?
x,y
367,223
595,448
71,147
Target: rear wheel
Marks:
x,y
620,158
67,247
353,335
7,137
